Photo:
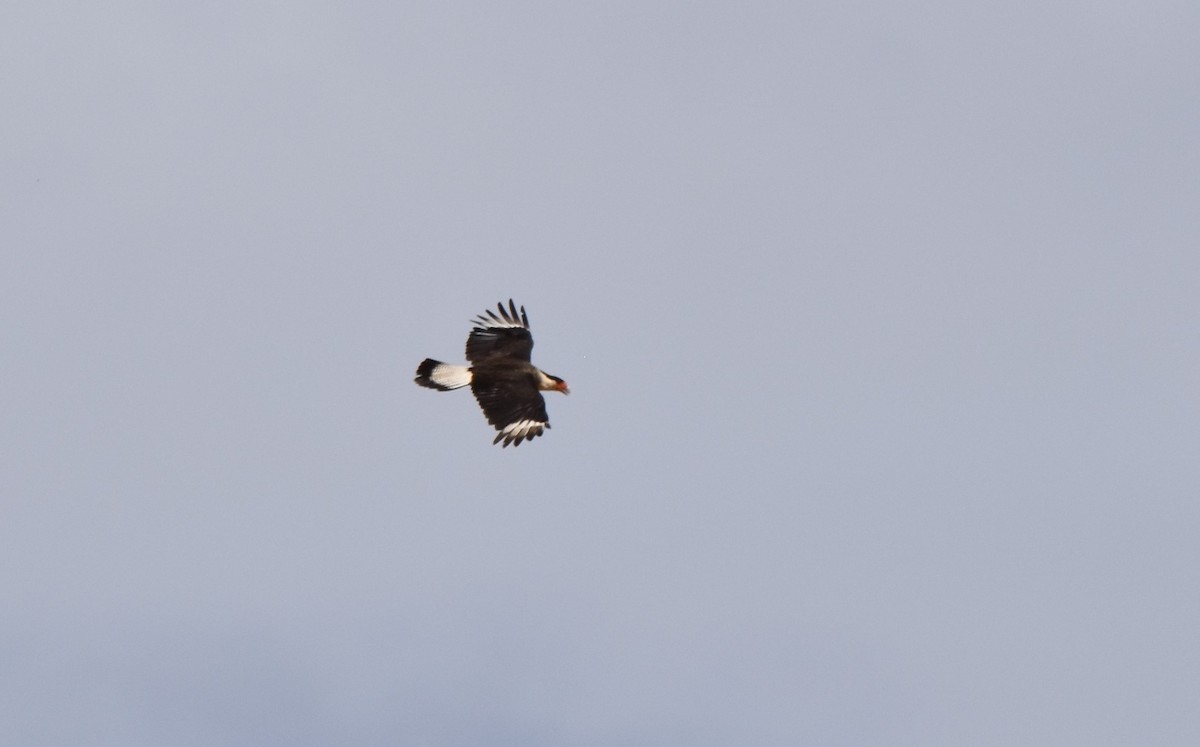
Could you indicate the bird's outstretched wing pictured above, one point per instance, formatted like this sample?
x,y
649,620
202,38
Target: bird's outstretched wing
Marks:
x,y
503,336
512,404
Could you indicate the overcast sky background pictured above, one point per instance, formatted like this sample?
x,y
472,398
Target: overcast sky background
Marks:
x,y
881,321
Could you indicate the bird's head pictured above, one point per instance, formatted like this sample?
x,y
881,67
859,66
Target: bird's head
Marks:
x,y
553,384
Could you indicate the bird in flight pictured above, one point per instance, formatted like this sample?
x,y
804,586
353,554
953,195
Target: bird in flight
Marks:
x,y
507,386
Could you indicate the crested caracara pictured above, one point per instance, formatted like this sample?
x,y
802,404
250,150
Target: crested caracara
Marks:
x,y
507,386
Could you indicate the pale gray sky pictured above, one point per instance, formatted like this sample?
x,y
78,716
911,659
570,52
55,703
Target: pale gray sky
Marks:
x,y
880,320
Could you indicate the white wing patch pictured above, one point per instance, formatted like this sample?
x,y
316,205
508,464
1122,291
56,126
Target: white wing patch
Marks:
x,y
451,377
486,323
515,433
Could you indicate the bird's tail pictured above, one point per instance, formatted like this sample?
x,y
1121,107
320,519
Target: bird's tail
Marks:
x,y
442,376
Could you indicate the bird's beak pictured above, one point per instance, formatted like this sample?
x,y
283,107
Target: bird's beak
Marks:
x,y
563,388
